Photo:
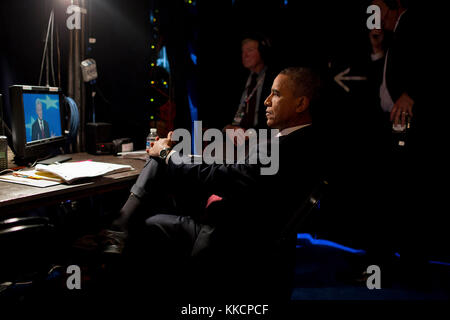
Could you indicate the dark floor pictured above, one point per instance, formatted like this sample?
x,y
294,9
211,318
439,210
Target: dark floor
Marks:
x,y
322,274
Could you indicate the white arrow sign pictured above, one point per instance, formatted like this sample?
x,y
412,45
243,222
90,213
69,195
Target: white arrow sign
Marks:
x,y
341,77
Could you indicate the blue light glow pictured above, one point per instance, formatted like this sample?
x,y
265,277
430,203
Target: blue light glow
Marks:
x,y
194,58
327,243
440,262
194,117
162,60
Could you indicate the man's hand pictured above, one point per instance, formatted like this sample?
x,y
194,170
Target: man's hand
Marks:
x,y
402,108
160,144
231,126
238,138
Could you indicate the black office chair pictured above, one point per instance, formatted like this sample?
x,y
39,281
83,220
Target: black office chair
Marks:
x,y
25,251
305,210
285,246
270,277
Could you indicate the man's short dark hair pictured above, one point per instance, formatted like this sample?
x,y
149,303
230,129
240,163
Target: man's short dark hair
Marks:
x,y
306,83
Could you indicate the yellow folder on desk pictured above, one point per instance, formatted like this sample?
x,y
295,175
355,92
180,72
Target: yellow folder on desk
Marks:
x,y
48,176
29,178
37,175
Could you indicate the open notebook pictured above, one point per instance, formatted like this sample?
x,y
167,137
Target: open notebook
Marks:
x,y
71,171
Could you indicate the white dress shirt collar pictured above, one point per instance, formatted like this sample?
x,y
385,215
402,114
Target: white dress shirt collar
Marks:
x,y
287,131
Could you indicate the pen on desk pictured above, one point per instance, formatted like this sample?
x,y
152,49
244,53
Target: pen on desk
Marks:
x,y
17,174
18,168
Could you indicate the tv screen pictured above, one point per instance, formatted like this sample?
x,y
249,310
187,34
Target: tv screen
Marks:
x,y
42,116
37,122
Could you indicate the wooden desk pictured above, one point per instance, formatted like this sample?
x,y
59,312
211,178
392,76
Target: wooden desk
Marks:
x,y
16,197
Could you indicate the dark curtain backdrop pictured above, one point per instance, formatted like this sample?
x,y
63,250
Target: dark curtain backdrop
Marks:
x,y
328,35
306,32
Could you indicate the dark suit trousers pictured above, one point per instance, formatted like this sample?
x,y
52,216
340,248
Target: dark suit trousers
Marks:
x,y
160,242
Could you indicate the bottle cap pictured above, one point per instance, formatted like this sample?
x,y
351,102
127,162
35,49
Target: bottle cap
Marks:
x,y
153,130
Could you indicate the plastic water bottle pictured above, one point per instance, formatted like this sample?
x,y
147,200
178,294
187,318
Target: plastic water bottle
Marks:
x,y
151,138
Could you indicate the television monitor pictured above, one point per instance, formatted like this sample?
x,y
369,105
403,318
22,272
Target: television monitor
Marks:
x,y
37,121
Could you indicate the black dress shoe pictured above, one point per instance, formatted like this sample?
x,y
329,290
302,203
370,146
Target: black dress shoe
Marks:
x,y
112,242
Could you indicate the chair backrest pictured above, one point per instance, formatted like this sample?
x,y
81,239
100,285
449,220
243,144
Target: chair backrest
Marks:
x,y
304,211
24,245
15,225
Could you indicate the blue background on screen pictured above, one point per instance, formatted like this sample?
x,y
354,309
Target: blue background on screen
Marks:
x,y
50,112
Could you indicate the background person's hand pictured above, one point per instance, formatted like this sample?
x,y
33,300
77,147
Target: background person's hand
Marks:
x,y
236,134
231,126
402,108
160,144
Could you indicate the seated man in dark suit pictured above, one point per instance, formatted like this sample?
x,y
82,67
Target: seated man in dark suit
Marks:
x,y
255,207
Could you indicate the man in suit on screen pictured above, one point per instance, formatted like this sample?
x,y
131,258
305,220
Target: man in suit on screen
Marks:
x,y
40,129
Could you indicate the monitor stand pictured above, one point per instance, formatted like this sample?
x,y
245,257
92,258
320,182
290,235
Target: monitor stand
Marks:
x,y
30,161
56,159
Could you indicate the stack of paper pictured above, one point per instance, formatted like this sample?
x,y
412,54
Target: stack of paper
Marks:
x,y
71,171
32,178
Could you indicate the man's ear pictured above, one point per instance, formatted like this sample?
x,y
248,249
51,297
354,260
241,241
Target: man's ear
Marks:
x,y
302,105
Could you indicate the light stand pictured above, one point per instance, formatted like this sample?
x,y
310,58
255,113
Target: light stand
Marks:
x,y
45,56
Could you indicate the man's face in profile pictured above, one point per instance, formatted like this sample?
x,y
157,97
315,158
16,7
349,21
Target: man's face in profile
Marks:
x,y
39,109
281,103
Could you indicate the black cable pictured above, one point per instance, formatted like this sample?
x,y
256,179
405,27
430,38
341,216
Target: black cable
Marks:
x,y
58,55
101,95
74,118
51,48
45,48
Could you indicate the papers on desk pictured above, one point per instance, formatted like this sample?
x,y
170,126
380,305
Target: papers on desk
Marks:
x,y
54,174
140,155
30,178
71,171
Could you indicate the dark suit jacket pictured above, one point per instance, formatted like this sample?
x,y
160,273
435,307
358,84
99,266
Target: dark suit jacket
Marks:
x,y
253,203
255,207
403,71
238,245
36,133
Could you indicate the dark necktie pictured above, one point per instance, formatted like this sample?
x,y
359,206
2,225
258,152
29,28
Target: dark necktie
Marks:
x,y
249,116
42,131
